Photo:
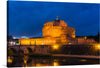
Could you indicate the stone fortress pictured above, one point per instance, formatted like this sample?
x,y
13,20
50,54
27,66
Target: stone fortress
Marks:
x,y
57,32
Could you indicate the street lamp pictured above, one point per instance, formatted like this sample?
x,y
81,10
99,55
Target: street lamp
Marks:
x,y
96,49
55,46
97,46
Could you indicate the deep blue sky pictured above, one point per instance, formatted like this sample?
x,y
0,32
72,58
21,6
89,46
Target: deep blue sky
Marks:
x,y
26,18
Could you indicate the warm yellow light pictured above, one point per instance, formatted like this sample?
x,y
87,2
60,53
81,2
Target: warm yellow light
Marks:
x,y
55,46
55,64
97,46
25,61
83,60
38,64
9,60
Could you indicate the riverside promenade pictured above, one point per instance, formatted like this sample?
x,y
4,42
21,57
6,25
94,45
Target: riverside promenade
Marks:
x,y
78,56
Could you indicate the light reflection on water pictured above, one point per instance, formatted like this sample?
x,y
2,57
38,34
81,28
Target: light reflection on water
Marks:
x,y
55,64
9,59
28,61
83,60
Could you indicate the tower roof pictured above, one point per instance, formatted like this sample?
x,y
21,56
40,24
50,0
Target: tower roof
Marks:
x,y
56,22
56,17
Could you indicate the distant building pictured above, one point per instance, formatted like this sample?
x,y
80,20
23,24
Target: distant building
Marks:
x,y
84,40
56,32
12,41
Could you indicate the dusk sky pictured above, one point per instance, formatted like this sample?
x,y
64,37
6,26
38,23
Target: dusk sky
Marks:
x,y
26,18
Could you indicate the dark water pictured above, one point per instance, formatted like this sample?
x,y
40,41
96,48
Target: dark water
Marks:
x,y
28,61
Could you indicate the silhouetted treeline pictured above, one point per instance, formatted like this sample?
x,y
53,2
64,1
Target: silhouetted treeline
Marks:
x,y
9,38
96,38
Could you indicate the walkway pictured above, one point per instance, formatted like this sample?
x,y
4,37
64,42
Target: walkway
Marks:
x,y
80,56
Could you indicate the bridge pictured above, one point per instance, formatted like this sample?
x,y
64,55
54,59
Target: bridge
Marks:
x,y
83,51
26,49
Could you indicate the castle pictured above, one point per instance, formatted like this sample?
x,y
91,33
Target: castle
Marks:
x,y
56,32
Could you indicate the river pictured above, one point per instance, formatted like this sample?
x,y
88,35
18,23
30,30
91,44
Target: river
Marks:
x,y
29,61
